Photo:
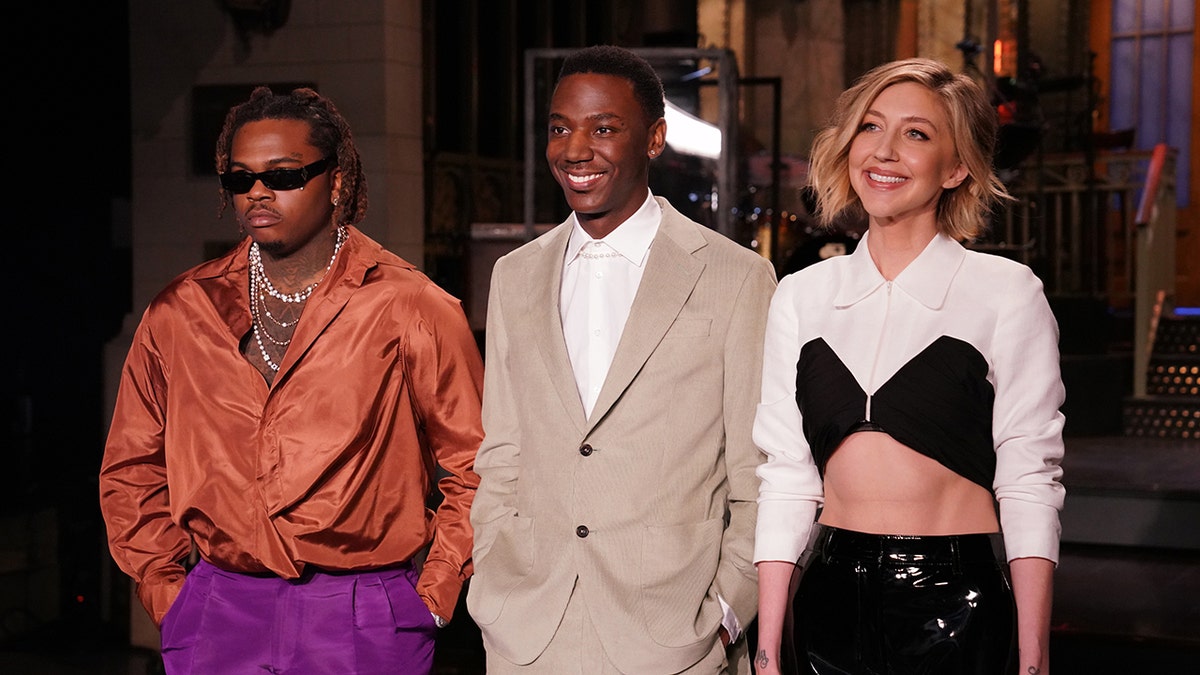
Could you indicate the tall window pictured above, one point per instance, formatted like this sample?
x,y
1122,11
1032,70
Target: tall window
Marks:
x,y
1152,43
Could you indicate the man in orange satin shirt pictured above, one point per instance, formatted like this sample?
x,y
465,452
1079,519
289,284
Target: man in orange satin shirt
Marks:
x,y
280,418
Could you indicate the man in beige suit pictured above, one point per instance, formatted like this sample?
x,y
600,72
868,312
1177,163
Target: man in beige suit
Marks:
x,y
615,517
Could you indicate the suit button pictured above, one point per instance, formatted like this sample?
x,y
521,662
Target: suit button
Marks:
x,y
585,450
582,531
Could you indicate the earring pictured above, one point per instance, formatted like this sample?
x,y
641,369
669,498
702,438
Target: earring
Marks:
x,y
335,200
653,153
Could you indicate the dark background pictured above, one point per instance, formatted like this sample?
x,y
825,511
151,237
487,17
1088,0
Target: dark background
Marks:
x,y
68,191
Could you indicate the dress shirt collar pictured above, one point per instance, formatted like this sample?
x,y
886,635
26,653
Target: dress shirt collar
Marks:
x,y
927,278
631,238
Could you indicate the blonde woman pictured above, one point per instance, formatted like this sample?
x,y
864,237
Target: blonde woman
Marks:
x,y
910,396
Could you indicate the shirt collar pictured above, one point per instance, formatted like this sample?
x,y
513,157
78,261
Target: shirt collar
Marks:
x,y
927,278
631,238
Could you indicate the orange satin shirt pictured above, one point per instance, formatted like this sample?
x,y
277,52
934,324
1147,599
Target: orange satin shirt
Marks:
x,y
330,466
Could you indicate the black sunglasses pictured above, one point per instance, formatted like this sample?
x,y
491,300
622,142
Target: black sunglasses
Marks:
x,y
241,182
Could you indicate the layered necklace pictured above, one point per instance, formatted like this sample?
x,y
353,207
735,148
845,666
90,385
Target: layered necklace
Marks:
x,y
261,287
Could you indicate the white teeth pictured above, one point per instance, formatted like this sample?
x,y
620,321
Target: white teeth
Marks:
x,y
885,179
582,179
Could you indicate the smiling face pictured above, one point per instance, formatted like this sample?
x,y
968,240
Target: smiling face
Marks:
x,y
281,221
903,157
599,148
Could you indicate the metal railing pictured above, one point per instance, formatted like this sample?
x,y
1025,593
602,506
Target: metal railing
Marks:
x,y
1074,223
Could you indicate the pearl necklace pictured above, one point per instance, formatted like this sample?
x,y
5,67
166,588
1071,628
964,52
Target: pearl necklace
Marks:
x,y
260,287
298,296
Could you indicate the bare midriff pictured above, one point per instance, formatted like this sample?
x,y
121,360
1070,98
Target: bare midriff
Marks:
x,y
877,485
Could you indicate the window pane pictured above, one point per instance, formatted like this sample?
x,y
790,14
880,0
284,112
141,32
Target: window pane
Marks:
x,y
1153,14
1183,14
1179,102
1122,95
1124,16
1152,85
1179,96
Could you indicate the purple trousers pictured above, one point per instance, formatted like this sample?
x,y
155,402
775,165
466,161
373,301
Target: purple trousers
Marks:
x,y
358,623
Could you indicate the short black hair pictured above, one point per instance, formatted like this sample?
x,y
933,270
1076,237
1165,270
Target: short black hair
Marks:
x,y
328,132
620,62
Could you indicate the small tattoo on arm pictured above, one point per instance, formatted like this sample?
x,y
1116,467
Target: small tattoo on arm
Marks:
x,y
1033,670
761,660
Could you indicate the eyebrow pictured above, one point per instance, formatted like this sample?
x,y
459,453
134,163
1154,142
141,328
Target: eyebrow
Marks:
x,y
270,162
907,120
595,117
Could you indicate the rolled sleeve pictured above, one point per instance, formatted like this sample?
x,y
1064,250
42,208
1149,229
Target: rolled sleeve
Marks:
x,y
790,489
1027,424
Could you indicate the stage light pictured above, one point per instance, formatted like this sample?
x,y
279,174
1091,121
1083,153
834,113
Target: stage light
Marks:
x,y
691,135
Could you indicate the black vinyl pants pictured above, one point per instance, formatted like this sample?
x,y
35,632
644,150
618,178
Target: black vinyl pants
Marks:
x,y
870,604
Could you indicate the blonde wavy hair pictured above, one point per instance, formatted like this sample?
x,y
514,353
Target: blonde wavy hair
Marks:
x,y
962,212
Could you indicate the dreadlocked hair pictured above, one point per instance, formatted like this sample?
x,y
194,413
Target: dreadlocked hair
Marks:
x,y
328,132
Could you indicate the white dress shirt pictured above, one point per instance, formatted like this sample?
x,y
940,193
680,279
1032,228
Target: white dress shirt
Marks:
x,y
599,281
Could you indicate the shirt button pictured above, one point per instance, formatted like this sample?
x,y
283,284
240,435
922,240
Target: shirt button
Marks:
x,y
585,450
582,531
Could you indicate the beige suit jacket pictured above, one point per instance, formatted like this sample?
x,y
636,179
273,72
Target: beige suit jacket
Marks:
x,y
647,508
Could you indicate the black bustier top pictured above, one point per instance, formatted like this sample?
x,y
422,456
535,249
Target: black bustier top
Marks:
x,y
939,404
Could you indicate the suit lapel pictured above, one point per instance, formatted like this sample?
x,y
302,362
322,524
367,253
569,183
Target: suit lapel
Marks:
x,y
671,274
544,282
